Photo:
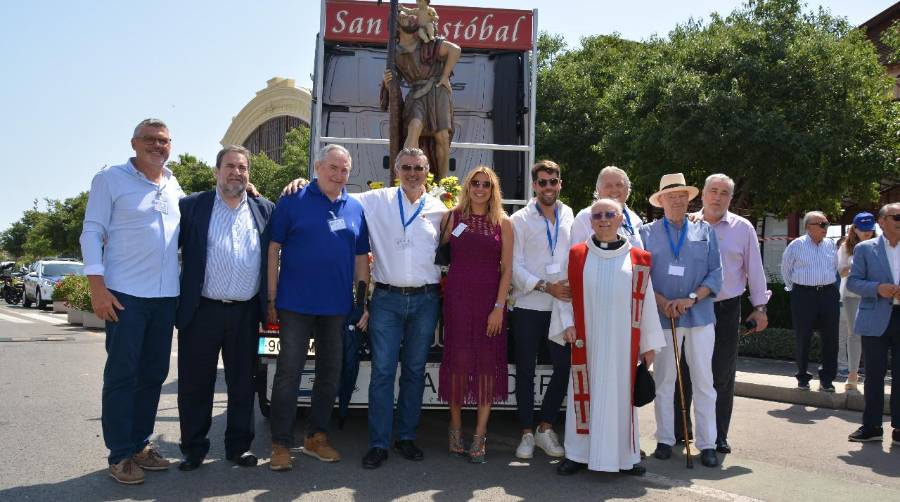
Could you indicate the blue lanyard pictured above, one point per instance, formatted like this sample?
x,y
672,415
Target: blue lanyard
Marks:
x,y
551,240
412,218
676,250
627,222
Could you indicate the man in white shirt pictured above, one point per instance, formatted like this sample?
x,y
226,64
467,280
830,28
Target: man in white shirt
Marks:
x,y
612,183
404,226
542,242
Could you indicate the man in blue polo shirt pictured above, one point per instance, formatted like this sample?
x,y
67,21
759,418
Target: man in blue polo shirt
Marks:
x,y
321,236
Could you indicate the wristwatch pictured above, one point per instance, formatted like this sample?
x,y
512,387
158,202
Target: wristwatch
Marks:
x,y
541,286
693,296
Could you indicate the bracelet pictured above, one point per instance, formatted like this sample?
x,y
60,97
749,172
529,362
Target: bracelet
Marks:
x,y
498,305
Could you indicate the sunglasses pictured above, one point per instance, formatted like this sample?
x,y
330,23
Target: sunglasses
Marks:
x,y
604,215
480,184
543,182
895,217
418,168
823,225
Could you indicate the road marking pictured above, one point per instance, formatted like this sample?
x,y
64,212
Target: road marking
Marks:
x,y
36,339
704,491
43,318
16,320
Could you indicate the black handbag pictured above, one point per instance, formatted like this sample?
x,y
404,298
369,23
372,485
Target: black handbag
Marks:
x,y
442,253
644,386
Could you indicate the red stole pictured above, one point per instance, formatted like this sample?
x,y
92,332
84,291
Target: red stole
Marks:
x,y
640,264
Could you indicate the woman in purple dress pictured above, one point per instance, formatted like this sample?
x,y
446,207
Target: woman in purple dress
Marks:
x,y
473,370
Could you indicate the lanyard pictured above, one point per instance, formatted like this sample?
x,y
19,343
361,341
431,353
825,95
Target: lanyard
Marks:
x,y
412,218
676,250
551,240
627,222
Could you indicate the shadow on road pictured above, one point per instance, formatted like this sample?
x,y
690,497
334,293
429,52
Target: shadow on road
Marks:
x,y
874,456
800,414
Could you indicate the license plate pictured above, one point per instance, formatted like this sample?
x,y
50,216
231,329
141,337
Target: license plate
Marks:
x,y
269,346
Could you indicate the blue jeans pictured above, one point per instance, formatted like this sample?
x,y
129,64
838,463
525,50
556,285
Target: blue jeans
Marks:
x,y
399,320
138,349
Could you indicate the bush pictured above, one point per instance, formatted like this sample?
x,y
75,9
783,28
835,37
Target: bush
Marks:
x,y
779,306
776,343
79,296
62,290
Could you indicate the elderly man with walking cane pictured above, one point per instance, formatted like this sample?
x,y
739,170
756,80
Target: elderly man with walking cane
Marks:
x,y
686,274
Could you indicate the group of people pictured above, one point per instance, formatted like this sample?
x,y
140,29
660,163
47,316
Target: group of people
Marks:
x,y
601,291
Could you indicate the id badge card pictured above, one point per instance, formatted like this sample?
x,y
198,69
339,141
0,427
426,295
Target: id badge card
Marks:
x,y
336,224
402,244
160,206
676,270
459,229
553,268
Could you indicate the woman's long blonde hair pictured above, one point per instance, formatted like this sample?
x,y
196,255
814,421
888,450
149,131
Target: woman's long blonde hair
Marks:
x,y
495,212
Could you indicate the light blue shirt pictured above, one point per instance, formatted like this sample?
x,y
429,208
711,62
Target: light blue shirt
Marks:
x,y
809,264
702,266
232,253
130,233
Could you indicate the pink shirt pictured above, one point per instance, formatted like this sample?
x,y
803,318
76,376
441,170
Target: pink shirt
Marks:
x,y
741,261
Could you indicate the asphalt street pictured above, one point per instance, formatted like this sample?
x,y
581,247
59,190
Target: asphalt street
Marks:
x,y
51,447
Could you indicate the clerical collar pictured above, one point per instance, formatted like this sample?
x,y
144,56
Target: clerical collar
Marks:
x,y
609,245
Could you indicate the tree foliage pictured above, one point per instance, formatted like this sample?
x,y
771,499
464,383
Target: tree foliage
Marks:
x,y
192,174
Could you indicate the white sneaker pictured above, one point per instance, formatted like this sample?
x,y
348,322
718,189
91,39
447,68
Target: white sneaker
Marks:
x,y
549,442
526,446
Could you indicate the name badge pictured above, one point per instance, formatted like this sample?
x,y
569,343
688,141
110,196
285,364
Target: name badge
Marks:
x,y
402,244
459,229
160,206
676,270
553,268
336,224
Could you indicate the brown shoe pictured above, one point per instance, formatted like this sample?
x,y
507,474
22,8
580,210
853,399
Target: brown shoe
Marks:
x,y
281,458
150,460
317,446
127,472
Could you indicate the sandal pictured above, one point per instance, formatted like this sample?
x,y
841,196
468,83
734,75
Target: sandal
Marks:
x,y
456,444
476,451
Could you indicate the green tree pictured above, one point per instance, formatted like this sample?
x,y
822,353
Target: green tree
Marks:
x,y
15,238
296,151
794,106
193,175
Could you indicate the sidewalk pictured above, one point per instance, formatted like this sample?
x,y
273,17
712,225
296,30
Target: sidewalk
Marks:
x,y
773,380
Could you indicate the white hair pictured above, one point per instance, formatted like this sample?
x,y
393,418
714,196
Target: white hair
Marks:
x,y
331,147
612,170
159,124
719,177
813,213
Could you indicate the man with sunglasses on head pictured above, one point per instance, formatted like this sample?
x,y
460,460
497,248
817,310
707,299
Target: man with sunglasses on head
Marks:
x,y
809,269
542,230
875,277
404,226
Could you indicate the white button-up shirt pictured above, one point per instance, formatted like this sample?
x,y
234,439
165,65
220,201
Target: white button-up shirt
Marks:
x,y
233,254
404,257
893,256
809,264
532,256
130,232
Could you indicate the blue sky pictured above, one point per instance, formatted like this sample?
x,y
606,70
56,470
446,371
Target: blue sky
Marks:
x,y
79,75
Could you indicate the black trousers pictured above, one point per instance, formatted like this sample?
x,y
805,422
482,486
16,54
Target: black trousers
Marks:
x,y
724,366
816,306
530,329
875,353
231,329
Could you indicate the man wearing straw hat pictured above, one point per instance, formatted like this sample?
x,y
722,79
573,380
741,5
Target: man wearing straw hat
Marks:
x,y
686,274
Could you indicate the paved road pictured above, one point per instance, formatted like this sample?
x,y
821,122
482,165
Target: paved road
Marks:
x,y
51,448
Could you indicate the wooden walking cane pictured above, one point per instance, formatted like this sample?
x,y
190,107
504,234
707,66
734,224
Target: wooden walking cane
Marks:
x,y
684,422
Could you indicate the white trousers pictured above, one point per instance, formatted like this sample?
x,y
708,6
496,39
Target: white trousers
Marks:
x,y
697,344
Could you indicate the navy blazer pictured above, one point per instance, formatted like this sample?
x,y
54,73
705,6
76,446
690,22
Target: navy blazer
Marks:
x,y
871,268
196,211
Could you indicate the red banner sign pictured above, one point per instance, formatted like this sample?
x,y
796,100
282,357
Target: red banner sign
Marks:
x,y
469,27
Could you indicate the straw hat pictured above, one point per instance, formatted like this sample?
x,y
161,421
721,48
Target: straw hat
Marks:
x,y
673,183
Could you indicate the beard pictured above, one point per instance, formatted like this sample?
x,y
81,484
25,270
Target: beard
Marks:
x,y
233,188
411,27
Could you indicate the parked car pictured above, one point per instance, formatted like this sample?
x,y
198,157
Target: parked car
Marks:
x,y
43,276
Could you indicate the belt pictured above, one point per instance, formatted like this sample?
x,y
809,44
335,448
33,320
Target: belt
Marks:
x,y
817,288
416,290
229,303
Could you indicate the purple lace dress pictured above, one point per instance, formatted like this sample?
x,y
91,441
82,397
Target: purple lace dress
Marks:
x,y
473,370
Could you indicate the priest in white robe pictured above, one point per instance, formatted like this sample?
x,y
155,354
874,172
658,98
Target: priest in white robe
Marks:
x,y
611,323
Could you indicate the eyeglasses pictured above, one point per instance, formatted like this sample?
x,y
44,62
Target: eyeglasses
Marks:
x,y
895,217
480,184
823,225
604,215
153,140
417,168
543,182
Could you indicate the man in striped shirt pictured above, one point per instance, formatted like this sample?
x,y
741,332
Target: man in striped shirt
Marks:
x,y
809,270
224,233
